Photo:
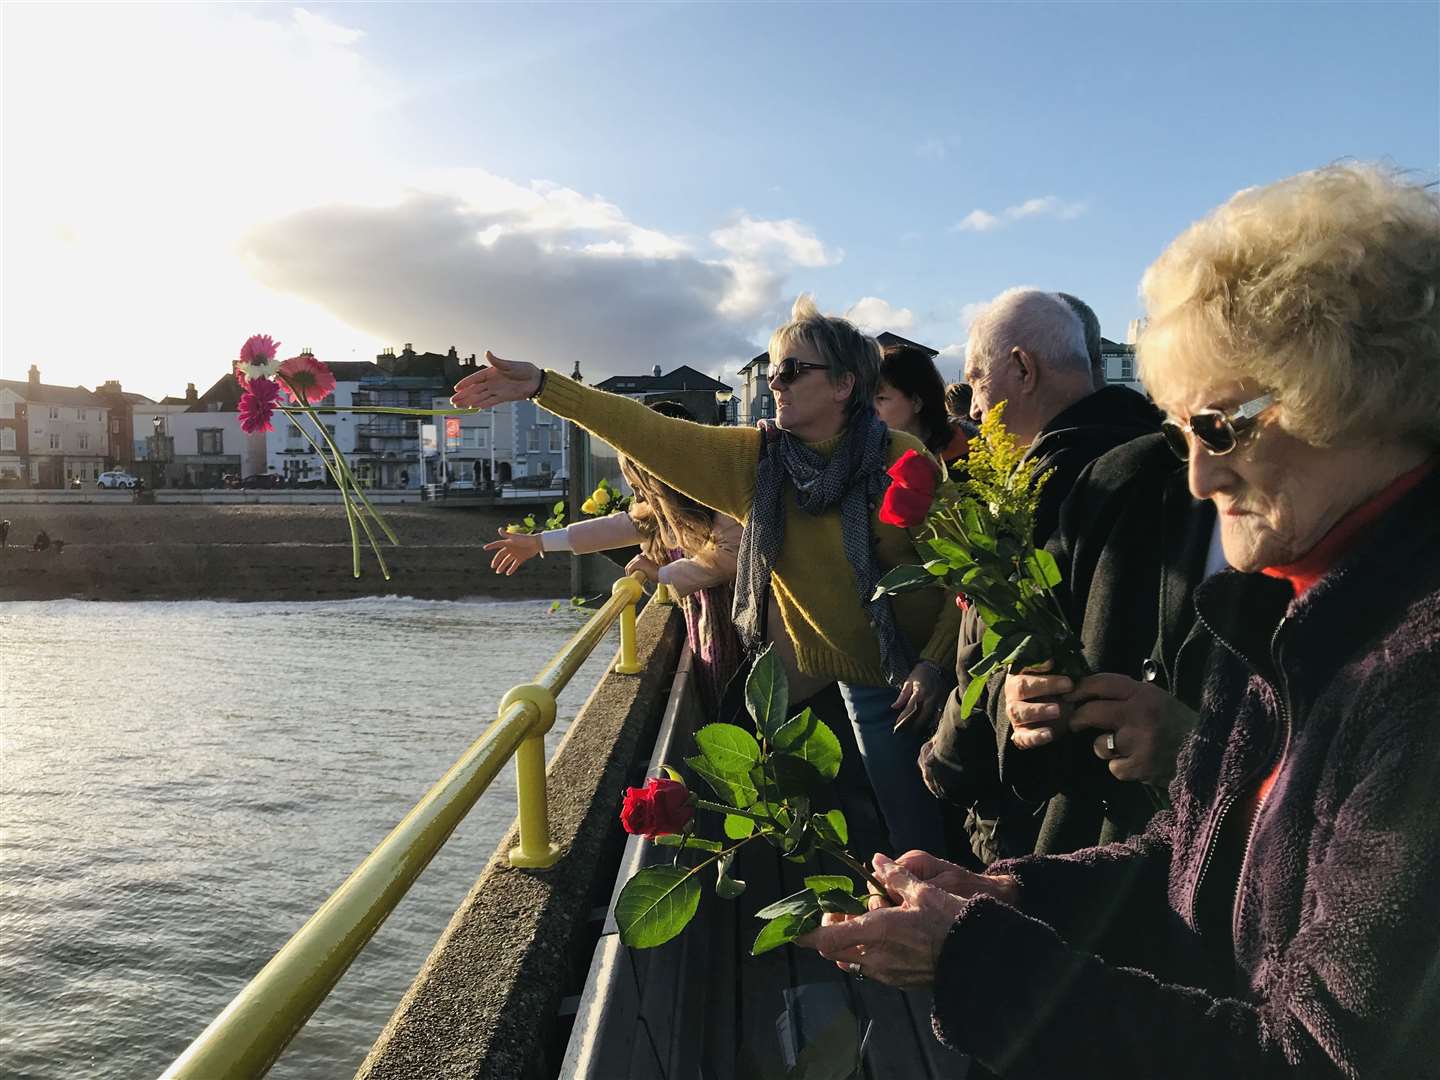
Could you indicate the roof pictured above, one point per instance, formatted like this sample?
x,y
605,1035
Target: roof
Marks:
x,y
45,394
1108,346
887,338
225,391
681,378
352,370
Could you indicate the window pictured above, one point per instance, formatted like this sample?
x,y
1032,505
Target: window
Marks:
x,y
556,431
84,442
54,412
7,410
545,468
7,438
54,441
81,414
114,426
210,441
1127,368
532,440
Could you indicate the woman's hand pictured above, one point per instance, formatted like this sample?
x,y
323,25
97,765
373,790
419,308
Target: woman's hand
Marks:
x,y
512,551
1033,704
898,945
1138,727
647,566
501,382
920,696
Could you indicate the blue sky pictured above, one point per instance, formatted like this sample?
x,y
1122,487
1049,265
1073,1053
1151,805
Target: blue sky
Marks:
x,y
643,183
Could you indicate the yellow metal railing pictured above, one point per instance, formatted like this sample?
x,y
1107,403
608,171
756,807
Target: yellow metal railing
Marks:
x,y
253,1030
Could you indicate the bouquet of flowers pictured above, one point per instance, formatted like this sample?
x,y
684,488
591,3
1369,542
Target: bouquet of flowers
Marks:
x,y
268,382
769,785
605,499
980,526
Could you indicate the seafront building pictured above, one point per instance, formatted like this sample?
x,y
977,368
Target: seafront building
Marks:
x,y
54,436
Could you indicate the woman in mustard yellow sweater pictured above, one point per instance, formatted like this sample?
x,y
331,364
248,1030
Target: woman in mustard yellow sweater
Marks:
x,y
807,487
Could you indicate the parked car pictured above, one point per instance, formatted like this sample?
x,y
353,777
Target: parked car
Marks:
x,y
263,480
116,478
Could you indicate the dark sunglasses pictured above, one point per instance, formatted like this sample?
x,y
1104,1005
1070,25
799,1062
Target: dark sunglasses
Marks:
x,y
1217,431
790,369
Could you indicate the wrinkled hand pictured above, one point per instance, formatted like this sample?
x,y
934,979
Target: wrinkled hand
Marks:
x,y
502,381
928,773
898,945
512,551
647,566
1148,723
919,698
1034,705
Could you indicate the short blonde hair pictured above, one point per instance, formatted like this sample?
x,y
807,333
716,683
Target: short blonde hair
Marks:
x,y
1321,289
838,343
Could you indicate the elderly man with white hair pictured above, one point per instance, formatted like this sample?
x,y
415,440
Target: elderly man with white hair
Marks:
x,y
1027,349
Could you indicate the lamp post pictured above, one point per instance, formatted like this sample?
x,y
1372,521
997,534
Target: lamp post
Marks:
x,y
722,404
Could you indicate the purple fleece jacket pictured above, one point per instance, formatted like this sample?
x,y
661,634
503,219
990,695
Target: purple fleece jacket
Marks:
x,y
1143,959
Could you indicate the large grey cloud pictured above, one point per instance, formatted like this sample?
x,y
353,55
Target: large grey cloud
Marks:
x,y
549,280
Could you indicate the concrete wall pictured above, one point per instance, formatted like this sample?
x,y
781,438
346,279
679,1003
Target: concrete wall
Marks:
x,y
487,1004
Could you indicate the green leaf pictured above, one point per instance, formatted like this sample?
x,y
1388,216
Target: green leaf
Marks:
x,y
785,778
982,668
727,887
738,791
950,551
808,738
902,579
783,930
655,905
989,641
731,751
823,883
1011,649
971,696
737,827
937,567
672,774
558,508
695,843
831,826
767,696
795,904
841,902
1043,568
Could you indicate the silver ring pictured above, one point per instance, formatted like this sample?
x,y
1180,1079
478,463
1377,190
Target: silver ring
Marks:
x,y
854,969
1110,741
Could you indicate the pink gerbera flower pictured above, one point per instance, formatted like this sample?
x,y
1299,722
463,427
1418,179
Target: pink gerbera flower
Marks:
x,y
258,405
257,356
307,376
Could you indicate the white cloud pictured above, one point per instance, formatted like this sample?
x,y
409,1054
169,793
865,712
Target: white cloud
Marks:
x,y
242,170
936,147
873,315
1043,206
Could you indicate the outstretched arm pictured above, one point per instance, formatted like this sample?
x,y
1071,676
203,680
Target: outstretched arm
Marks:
x,y
713,465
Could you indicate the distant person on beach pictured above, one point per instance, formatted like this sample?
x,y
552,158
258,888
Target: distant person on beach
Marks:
x,y
4,535
685,546
42,541
808,488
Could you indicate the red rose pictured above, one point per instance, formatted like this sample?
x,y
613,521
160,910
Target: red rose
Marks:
x,y
912,489
661,806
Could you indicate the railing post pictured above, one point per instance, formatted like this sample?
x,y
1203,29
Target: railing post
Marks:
x,y
535,849
629,661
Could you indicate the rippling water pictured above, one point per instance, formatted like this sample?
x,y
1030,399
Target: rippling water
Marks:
x,y
182,784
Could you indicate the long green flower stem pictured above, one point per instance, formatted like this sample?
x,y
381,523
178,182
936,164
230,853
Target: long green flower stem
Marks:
x,y
386,410
350,513
344,467
824,845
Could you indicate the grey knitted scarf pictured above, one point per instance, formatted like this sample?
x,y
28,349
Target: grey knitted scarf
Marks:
x,y
854,478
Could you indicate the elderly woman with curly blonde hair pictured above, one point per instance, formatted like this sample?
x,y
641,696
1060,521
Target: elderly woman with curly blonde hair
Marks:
x,y
1280,918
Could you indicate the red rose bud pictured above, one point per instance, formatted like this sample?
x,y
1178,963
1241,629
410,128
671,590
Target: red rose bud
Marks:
x,y
661,806
907,500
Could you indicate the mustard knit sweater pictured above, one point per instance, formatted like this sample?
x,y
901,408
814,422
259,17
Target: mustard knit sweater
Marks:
x,y
813,584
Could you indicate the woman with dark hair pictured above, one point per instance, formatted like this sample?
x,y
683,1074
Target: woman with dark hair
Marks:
x,y
685,546
910,397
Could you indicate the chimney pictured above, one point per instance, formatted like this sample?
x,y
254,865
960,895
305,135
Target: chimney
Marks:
x,y
34,377
111,386
576,373
655,371
191,395
409,350
453,354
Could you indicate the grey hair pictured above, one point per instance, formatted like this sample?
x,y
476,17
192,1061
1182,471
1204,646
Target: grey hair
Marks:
x,y
1039,322
838,343
1091,322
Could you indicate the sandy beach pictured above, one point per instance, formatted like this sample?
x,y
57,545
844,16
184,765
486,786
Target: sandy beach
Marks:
x,y
258,552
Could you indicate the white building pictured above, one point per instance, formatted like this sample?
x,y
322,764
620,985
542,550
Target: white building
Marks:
x,y
290,454
51,436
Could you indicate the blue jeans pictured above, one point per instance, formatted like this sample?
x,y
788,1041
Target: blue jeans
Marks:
x,y
911,813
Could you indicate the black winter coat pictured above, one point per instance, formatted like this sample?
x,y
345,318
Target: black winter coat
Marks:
x,y
1324,961
965,763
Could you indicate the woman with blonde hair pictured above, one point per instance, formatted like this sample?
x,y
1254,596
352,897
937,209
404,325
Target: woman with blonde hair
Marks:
x,y
1279,918
685,546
